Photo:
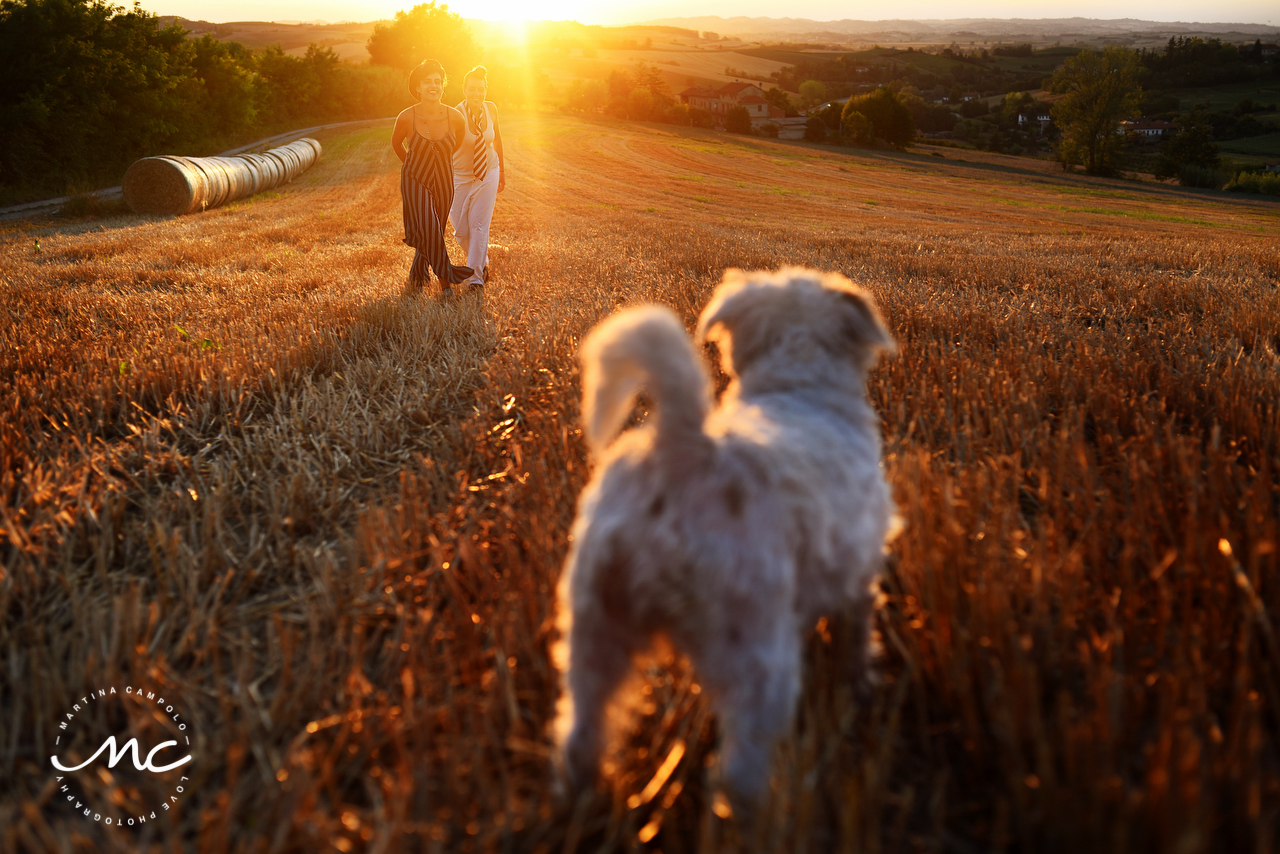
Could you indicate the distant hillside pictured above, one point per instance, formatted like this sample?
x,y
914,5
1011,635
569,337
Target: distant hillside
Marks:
x,y
1042,29
347,39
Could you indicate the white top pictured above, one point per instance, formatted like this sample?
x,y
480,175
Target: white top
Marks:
x,y
463,157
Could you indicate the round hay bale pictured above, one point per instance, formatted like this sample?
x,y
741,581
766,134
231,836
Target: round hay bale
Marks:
x,y
215,179
283,164
265,170
268,174
271,167
254,177
178,185
163,185
291,157
243,182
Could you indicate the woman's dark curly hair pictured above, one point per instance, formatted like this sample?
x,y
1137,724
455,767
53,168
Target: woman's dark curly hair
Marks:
x,y
427,66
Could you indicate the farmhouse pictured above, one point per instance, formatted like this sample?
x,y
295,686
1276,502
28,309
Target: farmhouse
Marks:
x,y
718,102
1263,49
1148,129
1041,115
703,98
759,108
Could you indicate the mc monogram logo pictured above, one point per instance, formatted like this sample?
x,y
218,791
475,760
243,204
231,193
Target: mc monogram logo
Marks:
x,y
139,790
117,755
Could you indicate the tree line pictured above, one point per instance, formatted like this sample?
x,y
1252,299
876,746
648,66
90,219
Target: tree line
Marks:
x,y
846,74
91,86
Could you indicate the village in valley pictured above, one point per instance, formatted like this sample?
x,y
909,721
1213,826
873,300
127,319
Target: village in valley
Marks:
x,y
1219,95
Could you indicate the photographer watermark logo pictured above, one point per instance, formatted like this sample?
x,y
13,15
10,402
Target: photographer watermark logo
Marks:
x,y
105,737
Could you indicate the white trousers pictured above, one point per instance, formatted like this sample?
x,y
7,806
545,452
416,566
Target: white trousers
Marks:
x,y
471,212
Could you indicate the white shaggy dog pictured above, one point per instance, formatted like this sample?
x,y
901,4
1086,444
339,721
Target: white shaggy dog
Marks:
x,y
730,532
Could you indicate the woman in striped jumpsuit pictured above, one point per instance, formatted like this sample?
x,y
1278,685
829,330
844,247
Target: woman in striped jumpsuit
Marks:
x,y
479,174
434,131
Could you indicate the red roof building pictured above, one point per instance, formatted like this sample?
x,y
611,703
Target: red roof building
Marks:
x,y
718,102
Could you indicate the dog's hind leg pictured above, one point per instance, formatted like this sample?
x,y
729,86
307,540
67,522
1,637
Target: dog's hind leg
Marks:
x,y
864,650
756,701
599,660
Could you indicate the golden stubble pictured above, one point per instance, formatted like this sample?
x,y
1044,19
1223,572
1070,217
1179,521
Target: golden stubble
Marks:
x,y
236,463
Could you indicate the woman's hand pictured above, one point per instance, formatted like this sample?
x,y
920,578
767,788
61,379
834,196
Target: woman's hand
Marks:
x,y
402,129
497,147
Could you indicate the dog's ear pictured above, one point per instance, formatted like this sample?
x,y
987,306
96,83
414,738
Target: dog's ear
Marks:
x,y
861,323
722,311
735,320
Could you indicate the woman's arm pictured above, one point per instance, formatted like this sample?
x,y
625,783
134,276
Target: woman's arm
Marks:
x,y
497,146
404,124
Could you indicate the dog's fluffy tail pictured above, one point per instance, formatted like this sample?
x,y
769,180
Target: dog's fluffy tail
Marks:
x,y
643,347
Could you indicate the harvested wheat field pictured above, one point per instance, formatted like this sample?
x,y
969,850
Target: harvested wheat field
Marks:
x,y
239,468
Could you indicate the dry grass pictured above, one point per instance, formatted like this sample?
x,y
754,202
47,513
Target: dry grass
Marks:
x,y
237,465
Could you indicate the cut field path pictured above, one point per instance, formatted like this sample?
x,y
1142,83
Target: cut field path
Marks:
x,y
238,465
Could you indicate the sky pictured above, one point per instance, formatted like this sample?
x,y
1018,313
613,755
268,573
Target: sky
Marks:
x,y
629,11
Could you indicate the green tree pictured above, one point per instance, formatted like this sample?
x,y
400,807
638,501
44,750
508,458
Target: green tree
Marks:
x,y
620,85
858,127
737,120
91,86
1101,88
813,92
586,96
701,118
677,114
830,117
427,31
640,104
1191,145
815,130
890,119
927,117
650,77
88,87
224,91
1015,103
780,99
287,90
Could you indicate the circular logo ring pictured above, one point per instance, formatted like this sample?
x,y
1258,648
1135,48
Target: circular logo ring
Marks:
x,y
161,759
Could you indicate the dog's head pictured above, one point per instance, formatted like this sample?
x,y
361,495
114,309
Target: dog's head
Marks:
x,y
794,314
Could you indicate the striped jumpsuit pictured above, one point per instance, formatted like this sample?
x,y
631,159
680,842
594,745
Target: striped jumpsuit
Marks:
x,y
426,189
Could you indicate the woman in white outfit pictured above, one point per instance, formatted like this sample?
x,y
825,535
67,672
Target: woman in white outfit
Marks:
x,y
478,174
